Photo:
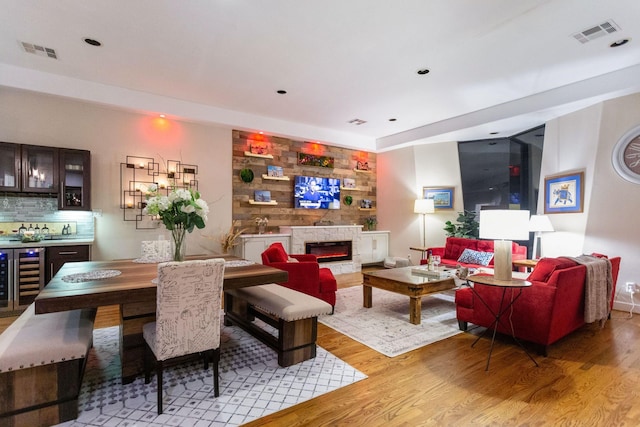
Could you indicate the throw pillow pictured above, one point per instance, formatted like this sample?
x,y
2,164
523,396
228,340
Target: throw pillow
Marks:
x,y
546,266
292,260
469,256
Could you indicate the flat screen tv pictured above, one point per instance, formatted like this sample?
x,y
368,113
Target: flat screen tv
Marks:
x,y
312,192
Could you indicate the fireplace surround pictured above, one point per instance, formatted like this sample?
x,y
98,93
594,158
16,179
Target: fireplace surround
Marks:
x,y
300,235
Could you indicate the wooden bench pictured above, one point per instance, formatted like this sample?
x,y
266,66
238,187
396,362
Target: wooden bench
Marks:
x,y
293,314
42,360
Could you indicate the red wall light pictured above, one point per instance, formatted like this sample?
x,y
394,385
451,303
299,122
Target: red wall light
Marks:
x,y
161,130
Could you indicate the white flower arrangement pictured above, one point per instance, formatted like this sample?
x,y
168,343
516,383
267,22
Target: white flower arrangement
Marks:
x,y
182,208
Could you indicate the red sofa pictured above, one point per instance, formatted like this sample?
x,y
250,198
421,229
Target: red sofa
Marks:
x,y
454,246
550,309
305,274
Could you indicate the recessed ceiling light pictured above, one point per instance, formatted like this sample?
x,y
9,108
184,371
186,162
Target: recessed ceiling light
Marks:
x,y
392,120
281,92
92,42
494,133
423,71
620,42
357,122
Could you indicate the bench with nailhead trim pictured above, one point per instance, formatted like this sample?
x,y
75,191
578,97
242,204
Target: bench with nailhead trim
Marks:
x,y
42,360
292,314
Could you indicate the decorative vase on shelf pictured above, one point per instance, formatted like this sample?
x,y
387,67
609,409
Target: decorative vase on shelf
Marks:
x,y
261,229
179,244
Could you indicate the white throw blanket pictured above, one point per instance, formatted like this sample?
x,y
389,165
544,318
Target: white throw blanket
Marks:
x,y
597,289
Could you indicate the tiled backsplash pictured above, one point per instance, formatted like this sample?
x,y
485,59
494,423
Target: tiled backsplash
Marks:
x,y
15,211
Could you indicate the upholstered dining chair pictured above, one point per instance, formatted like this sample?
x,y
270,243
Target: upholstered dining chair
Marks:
x,y
187,317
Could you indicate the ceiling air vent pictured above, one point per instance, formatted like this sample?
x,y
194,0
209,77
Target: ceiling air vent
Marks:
x,y
39,50
594,32
357,122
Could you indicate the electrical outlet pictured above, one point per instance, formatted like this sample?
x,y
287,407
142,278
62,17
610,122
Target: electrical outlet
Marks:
x,y
631,287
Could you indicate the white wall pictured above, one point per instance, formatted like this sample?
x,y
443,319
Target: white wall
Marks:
x,y
570,145
401,176
111,135
612,225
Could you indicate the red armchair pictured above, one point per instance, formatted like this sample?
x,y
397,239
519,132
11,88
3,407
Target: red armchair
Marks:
x,y
305,274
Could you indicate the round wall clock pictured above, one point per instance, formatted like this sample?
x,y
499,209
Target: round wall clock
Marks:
x,y
626,156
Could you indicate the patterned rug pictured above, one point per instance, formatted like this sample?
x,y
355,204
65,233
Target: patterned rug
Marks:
x,y
252,385
385,327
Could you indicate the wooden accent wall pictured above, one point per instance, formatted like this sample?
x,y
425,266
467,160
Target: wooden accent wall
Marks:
x,y
285,154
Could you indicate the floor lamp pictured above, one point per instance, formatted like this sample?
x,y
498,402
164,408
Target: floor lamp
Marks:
x,y
424,206
503,225
538,224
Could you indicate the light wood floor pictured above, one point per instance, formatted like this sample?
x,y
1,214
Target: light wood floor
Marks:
x,y
591,378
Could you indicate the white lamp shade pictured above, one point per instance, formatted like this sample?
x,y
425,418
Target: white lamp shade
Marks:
x,y
504,224
424,206
540,223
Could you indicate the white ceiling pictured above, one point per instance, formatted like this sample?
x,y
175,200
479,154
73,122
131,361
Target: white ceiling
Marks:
x,y
496,65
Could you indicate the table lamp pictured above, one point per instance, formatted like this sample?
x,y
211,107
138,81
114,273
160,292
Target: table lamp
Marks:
x,y
538,224
503,225
424,206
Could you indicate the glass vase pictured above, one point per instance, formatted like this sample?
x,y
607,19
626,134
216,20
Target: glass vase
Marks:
x,y
179,244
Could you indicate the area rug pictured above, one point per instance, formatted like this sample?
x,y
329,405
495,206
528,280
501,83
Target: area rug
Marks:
x,y
385,327
252,385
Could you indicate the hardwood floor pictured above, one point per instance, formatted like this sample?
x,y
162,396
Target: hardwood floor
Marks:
x,y
590,378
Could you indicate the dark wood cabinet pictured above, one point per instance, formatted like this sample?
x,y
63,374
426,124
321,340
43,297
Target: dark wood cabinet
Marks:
x,y
75,180
39,169
62,172
58,255
9,167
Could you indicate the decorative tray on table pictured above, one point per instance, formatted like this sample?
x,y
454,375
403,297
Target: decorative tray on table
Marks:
x,y
442,273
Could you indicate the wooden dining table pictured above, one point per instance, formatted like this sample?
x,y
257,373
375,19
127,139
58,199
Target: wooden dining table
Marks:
x,y
134,291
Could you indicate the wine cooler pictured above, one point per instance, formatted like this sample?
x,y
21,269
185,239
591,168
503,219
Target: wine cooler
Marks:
x,y
21,277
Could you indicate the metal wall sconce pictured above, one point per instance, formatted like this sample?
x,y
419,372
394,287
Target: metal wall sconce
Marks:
x,y
137,174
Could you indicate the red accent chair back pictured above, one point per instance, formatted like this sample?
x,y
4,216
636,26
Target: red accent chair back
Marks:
x,y
305,274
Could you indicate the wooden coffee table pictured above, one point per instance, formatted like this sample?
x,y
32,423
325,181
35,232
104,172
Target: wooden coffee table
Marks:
x,y
403,281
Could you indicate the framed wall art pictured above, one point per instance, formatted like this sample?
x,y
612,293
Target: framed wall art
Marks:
x,y
564,193
442,196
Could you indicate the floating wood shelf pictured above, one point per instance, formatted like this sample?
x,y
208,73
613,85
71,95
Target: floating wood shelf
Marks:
x,y
351,189
366,209
275,178
271,203
261,156
362,171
